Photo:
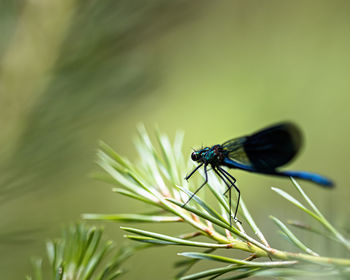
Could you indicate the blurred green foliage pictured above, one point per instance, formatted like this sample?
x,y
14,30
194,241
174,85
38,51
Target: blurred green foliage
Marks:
x,y
73,72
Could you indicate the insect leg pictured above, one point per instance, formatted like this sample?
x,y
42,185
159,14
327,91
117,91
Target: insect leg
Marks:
x,y
205,181
228,189
194,170
230,176
227,175
232,181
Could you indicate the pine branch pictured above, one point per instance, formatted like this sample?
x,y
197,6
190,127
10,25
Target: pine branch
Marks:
x,y
156,181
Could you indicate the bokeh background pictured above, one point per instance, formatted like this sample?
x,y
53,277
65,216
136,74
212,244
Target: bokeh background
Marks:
x,y
73,72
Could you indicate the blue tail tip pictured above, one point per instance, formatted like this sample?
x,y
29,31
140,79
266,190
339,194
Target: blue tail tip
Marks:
x,y
313,177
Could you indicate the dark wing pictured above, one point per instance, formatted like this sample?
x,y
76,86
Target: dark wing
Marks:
x,y
266,149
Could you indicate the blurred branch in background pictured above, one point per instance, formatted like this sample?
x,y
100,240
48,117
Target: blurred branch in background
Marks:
x,y
68,66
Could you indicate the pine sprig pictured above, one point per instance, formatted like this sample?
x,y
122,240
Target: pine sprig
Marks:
x,y
156,181
81,253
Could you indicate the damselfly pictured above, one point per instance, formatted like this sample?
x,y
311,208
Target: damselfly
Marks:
x,y
261,152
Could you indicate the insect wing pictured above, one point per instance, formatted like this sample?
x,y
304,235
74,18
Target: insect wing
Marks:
x,y
274,146
266,149
235,151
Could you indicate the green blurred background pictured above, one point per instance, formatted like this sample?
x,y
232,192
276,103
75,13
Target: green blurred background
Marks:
x,y
73,72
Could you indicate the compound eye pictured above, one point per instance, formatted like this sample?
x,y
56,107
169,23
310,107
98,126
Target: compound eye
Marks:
x,y
194,156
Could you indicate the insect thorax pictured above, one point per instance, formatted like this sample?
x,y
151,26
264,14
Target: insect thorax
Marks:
x,y
212,155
